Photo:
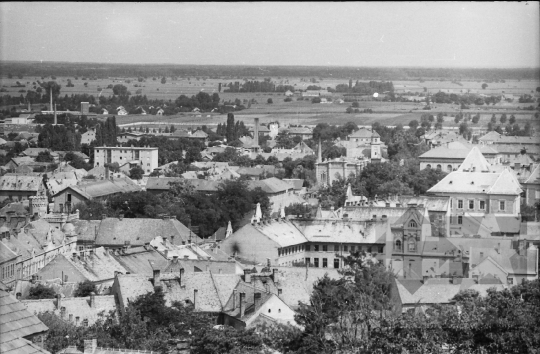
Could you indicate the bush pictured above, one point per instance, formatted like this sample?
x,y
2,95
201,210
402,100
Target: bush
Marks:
x,y
40,291
269,101
288,99
85,288
316,100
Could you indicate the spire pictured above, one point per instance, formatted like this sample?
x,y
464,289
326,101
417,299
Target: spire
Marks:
x,y
318,215
319,158
229,230
258,213
349,192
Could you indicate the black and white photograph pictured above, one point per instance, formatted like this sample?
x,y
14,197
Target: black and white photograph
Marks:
x,y
270,177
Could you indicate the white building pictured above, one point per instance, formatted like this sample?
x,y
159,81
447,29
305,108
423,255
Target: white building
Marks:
x,y
147,157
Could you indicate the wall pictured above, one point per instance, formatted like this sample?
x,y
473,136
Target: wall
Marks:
x,y
16,195
62,198
121,155
275,308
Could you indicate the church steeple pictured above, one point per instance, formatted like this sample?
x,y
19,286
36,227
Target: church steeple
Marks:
x,y
319,158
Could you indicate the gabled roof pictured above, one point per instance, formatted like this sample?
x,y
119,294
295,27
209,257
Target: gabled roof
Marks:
x,y
478,182
363,133
113,231
490,136
16,322
21,183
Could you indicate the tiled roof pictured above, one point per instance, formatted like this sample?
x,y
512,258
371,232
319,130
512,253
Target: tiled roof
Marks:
x,y
284,233
507,259
271,185
490,136
34,152
136,259
21,183
6,254
16,323
300,130
437,291
86,229
363,133
295,183
515,149
76,306
474,161
113,231
478,182
535,175
340,232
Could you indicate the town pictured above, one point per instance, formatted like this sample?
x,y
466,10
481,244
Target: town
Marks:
x,y
231,209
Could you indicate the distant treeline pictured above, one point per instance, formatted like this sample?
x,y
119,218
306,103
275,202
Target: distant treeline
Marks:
x,y
104,70
257,86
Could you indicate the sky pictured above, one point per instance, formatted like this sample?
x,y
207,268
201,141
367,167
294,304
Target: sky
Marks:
x,y
419,34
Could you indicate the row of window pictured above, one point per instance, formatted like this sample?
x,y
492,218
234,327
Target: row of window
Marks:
x,y
411,245
329,248
316,263
481,204
449,168
8,271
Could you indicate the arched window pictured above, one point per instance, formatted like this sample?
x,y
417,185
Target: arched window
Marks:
x,y
449,168
412,244
428,166
398,245
412,223
439,167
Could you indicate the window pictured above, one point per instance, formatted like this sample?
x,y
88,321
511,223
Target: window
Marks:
x,y
449,168
428,166
398,245
439,167
316,248
510,280
451,203
460,203
353,248
325,262
325,248
345,248
336,248
381,249
316,262
308,260
336,263
482,205
308,247
412,223
460,220
471,204
501,205
412,245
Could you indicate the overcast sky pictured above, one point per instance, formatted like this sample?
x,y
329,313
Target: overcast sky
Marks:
x,y
461,34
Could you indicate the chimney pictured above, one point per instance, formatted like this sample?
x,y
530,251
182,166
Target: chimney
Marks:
x,y
121,217
195,293
175,259
157,278
55,118
93,300
275,276
62,312
107,172
181,276
256,301
242,304
256,132
50,98
247,276
90,346
234,299
58,301
268,263
70,317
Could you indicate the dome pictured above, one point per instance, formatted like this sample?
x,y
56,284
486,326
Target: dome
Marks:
x,y
69,229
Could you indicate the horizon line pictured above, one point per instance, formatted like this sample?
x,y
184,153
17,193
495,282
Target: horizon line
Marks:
x,y
277,66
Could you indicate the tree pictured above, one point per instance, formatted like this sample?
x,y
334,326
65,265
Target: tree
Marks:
x,y
512,119
44,156
440,118
269,101
413,124
85,288
493,119
40,291
476,118
503,118
120,90
163,80
136,172
484,86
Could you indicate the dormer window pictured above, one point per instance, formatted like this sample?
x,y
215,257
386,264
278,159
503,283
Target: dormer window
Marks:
x,y
412,223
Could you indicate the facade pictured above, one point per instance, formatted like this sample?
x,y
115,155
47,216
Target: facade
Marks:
x,y
146,156
20,187
88,137
450,156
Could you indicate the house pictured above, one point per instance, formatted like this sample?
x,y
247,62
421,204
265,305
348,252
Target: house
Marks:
x,y
532,186
450,156
36,243
424,293
20,187
302,132
89,136
18,326
34,153
476,191
118,232
288,93
197,135
315,93
148,156
121,111
80,311
315,242
66,199
8,260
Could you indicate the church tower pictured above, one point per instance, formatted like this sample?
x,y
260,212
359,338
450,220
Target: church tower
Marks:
x,y
375,147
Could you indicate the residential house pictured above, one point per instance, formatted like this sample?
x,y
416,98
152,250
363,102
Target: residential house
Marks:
x,y
89,136
421,294
531,185
302,132
450,156
20,187
79,311
148,156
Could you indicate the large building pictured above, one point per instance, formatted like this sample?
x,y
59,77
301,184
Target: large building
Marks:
x,y
146,157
